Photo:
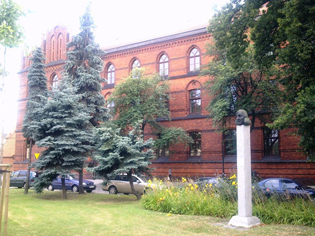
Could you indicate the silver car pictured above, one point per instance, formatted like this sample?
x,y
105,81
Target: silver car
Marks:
x,y
121,184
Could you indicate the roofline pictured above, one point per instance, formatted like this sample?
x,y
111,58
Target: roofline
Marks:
x,y
194,32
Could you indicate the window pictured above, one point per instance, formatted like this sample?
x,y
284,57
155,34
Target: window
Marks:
x,y
135,64
289,184
163,151
23,173
135,73
52,48
111,75
163,65
195,100
272,184
230,142
194,60
55,81
271,142
195,146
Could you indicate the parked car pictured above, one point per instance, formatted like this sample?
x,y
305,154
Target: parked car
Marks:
x,y
121,184
206,180
18,178
72,183
286,187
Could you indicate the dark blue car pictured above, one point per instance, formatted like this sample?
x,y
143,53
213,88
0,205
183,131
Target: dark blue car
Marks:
x,y
286,187
72,183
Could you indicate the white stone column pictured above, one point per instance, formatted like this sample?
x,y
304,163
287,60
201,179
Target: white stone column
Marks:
x,y
244,179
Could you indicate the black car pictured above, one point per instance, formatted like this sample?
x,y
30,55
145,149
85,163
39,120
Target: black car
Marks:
x,y
286,188
18,178
72,183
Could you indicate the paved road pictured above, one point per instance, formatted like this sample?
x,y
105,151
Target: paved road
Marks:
x,y
98,183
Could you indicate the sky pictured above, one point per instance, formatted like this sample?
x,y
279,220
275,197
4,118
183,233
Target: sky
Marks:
x,y
118,22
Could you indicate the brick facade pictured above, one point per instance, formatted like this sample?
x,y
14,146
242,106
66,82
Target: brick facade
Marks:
x,y
288,163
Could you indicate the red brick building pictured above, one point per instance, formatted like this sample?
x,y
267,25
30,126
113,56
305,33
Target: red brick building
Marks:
x,y
180,57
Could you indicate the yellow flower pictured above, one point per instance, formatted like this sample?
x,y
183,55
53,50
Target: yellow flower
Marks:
x,y
233,177
233,183
211,185
169,214
189,185
149,184
253,186
184,180
196,186
192,188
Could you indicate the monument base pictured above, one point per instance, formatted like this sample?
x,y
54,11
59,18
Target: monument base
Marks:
x,y
243,221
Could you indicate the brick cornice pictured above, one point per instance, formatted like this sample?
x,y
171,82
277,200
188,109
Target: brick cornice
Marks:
x,y
137,49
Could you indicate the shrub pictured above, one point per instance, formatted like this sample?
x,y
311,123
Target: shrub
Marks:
x,y
220,200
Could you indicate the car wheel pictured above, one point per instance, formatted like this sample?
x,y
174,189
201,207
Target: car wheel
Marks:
x,y
50,187
75,188
88,191
112,190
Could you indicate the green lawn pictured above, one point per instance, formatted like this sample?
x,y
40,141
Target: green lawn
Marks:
x,y
103,214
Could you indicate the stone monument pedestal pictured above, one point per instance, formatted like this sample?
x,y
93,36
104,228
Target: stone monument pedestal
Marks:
x,y
244,218
244,221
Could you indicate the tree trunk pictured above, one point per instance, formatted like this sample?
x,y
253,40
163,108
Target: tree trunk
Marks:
x,y
81,190
138,194
28,167
63,184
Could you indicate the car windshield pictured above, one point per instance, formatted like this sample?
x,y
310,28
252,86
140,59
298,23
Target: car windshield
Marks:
x,y
143,178
301,184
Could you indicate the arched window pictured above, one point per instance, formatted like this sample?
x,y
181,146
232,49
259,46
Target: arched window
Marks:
x,y
59,52
163,65
135,64
55,81
52,48
110,74
194,60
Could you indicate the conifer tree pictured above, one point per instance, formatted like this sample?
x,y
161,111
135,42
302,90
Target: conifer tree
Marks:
x,y
119,153
83,67
65,135
37,87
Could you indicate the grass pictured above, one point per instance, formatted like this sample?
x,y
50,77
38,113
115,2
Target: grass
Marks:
x,y
101,214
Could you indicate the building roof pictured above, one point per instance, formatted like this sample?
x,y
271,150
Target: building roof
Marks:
x,y
189,33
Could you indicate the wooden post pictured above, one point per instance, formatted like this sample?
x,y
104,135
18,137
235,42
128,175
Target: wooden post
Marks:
x,y
6,168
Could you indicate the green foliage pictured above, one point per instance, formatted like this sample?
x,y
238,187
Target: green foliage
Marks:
x,y
171,136
186,200
11,32
221,201
140,97
118,153
64,133
278,42
234,86
84,65
37,87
